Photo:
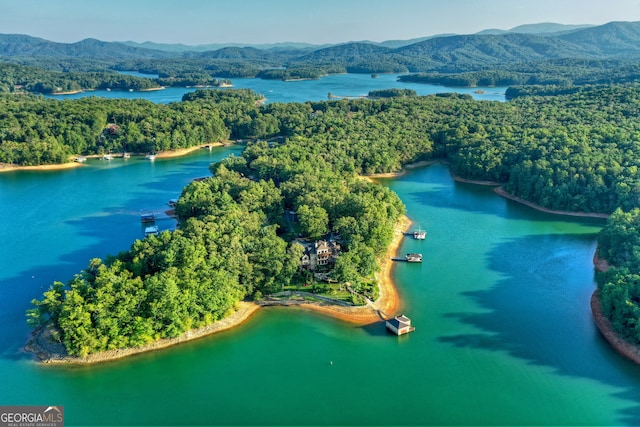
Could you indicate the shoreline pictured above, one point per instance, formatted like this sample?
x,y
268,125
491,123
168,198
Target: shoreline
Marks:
x,y
387,305
499,190
625,348
53,353
60,166
619,344
402,171
70,165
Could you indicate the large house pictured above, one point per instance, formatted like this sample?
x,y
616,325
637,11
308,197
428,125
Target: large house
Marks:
x,y
319,253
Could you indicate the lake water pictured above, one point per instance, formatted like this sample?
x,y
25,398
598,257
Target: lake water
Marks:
x,y
304,90
504,335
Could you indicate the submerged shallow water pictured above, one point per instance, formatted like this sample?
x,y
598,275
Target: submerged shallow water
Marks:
x,y
504,334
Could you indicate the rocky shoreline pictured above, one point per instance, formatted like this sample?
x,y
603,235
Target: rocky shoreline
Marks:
x,y
622,346
50,351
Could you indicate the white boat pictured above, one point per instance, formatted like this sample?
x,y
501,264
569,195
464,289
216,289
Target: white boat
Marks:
x,y
414,257
126,155
107,157
150,156
419,234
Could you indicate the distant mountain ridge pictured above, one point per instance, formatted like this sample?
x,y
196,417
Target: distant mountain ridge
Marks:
x,y
541,28
448,53
545,27
23,45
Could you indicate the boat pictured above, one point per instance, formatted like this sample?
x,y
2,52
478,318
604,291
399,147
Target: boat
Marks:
x,y
419,234
172,202
107,157
150,156
151,230
126,155
414,257
147,217
80,159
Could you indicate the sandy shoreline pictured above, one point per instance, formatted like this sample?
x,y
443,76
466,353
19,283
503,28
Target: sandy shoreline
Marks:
x,y
69,165
387,305
8,168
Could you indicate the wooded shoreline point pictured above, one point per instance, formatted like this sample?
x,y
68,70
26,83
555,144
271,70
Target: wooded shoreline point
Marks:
x,y
386,306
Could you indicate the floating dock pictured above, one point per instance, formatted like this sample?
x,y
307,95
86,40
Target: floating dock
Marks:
x,y
414,258
147,218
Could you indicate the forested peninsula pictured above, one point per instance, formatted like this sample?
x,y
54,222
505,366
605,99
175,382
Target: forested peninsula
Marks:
x,y
574,152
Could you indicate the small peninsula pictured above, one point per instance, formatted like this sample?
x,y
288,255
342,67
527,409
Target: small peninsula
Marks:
x,y
245,230
49,350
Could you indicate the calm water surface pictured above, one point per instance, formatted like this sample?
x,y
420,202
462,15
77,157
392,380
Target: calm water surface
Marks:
x,y
503,329
304,90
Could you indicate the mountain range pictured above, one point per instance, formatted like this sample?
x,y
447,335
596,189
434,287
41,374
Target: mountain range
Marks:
x,y
614,40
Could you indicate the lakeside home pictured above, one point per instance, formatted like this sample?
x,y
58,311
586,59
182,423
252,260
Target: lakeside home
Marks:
x,y
319,253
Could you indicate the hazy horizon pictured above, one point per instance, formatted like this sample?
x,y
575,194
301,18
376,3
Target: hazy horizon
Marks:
x,y
197,22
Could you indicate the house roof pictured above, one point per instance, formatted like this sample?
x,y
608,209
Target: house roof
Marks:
x,y
404,319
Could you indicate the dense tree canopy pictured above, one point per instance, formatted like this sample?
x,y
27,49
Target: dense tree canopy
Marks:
x,y
619,287
573,151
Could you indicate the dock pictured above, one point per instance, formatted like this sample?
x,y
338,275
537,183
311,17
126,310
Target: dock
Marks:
x,y
151,230
414,257
399,325
147,218
417,258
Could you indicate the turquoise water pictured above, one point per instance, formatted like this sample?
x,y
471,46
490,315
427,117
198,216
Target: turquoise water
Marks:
x,y
304,90
503,336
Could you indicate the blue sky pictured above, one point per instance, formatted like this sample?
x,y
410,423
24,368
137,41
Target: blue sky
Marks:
x,y
311,21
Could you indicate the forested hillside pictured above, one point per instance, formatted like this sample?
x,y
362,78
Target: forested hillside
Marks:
x,y
571,151
507,58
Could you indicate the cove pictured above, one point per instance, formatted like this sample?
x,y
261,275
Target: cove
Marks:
x,y
504,334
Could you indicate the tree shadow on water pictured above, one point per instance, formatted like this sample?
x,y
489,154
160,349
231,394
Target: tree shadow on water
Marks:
x,y
539,312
